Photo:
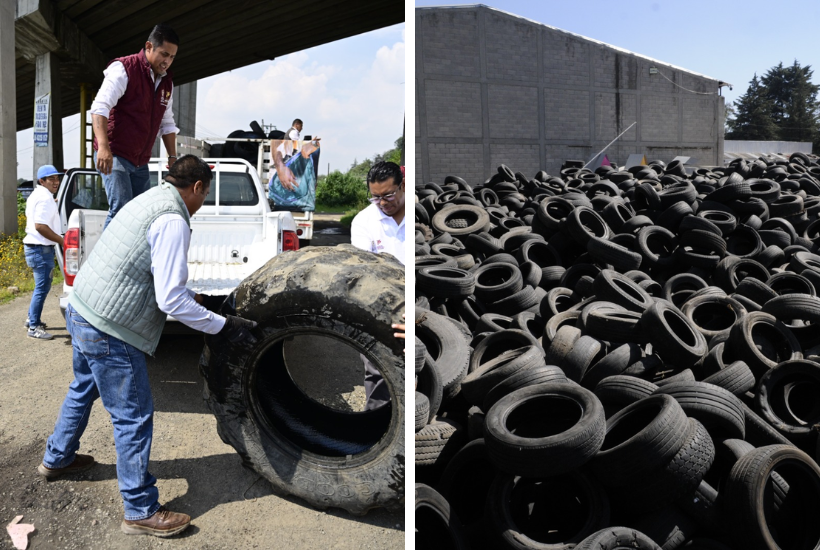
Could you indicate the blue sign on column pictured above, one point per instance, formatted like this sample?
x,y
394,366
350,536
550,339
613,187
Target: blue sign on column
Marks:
x,y
41,105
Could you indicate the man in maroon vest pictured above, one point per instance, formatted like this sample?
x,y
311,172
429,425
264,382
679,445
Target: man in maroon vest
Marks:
x,y
133,106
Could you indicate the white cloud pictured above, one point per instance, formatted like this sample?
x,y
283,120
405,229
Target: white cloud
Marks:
x,y
357,108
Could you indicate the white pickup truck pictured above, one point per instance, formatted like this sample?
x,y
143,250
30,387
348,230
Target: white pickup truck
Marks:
x,y
233,234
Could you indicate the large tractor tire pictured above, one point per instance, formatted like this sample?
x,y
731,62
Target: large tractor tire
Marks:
x,y
328,457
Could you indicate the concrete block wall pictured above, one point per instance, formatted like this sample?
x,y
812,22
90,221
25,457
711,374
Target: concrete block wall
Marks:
x,y
495,88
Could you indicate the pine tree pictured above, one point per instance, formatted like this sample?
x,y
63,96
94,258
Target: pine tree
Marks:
x,y
753,118
794,101
801,123
777,87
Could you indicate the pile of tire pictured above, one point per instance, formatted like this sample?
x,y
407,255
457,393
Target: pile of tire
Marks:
x,y
619,358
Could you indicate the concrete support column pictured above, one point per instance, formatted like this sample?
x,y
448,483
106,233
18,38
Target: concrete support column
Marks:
x,y
8,121
184,106
48,82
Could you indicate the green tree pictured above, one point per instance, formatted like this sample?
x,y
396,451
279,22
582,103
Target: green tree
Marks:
x,y
753,119
793,100
339,189
801,122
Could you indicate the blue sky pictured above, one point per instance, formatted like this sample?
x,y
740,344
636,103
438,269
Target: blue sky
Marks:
x,y
350,93
728,40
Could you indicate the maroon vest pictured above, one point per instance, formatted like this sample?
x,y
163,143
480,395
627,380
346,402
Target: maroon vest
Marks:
x,y
133,124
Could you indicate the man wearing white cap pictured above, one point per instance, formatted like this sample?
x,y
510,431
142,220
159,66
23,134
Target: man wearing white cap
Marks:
x,y
42,233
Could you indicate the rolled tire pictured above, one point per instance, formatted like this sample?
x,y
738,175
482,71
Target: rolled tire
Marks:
x,y
679,477
751,516
620,289
422,410
585,351
496,280
477,383
756,290
330,458
541,374
584,223
436,525
787,399
794,306
476,217
499,343
608,252
562,343
763,342
618,538
429,384
445,282
544,430
566,510
644,436
673,335
621,390
420,349
614,363
736,378
438,441
713,315
717,409
448,346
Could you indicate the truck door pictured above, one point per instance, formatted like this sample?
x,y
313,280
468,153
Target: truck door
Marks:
x,y
82,204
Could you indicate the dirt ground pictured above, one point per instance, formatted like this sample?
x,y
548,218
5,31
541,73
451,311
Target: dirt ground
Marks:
x,y
232,508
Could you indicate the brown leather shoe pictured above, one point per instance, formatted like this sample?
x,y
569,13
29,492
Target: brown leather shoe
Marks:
x,y
81,463
164,523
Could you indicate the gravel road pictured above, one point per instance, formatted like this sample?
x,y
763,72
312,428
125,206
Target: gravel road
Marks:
x,y
197,474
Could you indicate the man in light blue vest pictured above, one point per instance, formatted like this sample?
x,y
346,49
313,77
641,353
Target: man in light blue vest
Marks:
x,y
132,280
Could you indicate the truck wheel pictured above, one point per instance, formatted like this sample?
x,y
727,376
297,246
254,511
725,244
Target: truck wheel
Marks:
x,y
329,457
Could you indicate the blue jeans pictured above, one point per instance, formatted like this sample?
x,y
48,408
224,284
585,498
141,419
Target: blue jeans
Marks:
x,y
108,368
41,260
125,182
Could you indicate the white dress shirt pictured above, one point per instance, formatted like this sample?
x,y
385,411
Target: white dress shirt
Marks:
x,y
169,238
113,88
41,208
293,134
377,232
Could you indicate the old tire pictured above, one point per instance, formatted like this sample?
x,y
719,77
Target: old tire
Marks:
x,y
327,457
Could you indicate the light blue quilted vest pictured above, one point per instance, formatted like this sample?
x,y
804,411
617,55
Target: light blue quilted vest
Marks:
x,y
114,290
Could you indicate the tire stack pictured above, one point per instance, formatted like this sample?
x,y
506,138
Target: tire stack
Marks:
x,y
620,358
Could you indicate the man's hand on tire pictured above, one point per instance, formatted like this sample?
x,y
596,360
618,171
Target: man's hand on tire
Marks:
x,y
237,329
399,326
211,303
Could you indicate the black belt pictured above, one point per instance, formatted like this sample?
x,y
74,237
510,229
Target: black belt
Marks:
x,y
27,244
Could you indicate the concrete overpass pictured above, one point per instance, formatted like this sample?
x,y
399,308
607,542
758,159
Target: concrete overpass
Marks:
x,y
58,46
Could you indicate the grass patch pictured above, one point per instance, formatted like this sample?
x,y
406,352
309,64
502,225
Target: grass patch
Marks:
x,y
13,268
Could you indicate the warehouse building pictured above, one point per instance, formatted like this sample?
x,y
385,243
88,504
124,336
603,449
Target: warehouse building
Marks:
x,y
493,88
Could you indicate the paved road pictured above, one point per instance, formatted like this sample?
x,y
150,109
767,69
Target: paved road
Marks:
x,y
198,474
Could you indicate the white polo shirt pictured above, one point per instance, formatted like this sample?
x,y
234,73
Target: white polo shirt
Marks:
x,y
41,208
375,231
